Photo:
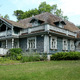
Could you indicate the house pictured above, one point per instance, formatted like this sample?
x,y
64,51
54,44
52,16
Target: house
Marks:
x,y
42,33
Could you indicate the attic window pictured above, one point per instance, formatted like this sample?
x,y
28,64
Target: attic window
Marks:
x,y
36,22
60,24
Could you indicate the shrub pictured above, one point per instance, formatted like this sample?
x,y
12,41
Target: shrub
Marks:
x,y
19,57
66,56
29,57
3,59
15,53
43,57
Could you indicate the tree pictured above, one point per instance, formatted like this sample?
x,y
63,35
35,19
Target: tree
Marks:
x,y
18,14
1,16
43,7
6,16
78,26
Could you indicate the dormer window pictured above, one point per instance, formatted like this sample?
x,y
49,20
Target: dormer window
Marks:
x,y
36,22
60,24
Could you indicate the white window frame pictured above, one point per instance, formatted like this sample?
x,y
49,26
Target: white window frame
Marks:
x,y
72,47
65,47
54,45
28,42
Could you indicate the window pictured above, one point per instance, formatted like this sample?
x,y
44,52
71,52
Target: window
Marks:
x,y
31,43
61,25
65,44
71,45
35,23
3,44
53,42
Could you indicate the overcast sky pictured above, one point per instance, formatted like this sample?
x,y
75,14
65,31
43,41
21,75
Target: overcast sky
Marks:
x,y
70,8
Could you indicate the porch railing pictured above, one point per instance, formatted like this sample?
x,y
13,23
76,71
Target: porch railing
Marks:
x,y
5,33
3,51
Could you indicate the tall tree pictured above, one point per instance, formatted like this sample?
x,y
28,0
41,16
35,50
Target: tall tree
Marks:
x,y
6,16
1,15
18,14
78,26
43,7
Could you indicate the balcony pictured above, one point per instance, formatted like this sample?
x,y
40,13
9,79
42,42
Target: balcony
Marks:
x,y
48,27
32,30
62,31
5,33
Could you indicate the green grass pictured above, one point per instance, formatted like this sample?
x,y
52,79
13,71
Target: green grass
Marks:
x,y
48,70
6,61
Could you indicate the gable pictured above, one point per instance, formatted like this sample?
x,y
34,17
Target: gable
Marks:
x,y
3,22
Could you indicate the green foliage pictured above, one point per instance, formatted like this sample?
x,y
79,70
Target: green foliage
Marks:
x,y
30,57
6,16
19,57
43,56
18,14
47,70
1,16
78,26
15,53
43,7
2,59
66,56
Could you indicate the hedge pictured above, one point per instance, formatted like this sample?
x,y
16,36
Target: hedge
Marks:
x,y
66,56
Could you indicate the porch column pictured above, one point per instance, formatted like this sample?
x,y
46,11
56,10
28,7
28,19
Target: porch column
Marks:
x,y
6,30
46,44
6,43
12,43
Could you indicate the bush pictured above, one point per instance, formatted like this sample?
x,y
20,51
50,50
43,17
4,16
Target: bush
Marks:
x,y
19,57
43,57
66,56
29,57
3,59
15,53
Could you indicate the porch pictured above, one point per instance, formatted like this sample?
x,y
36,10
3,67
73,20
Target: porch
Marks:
x,y
7,44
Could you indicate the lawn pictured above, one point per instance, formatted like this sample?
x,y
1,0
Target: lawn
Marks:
x,y
48,70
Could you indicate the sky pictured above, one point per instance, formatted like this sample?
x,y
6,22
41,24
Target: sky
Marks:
x,y
70,8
